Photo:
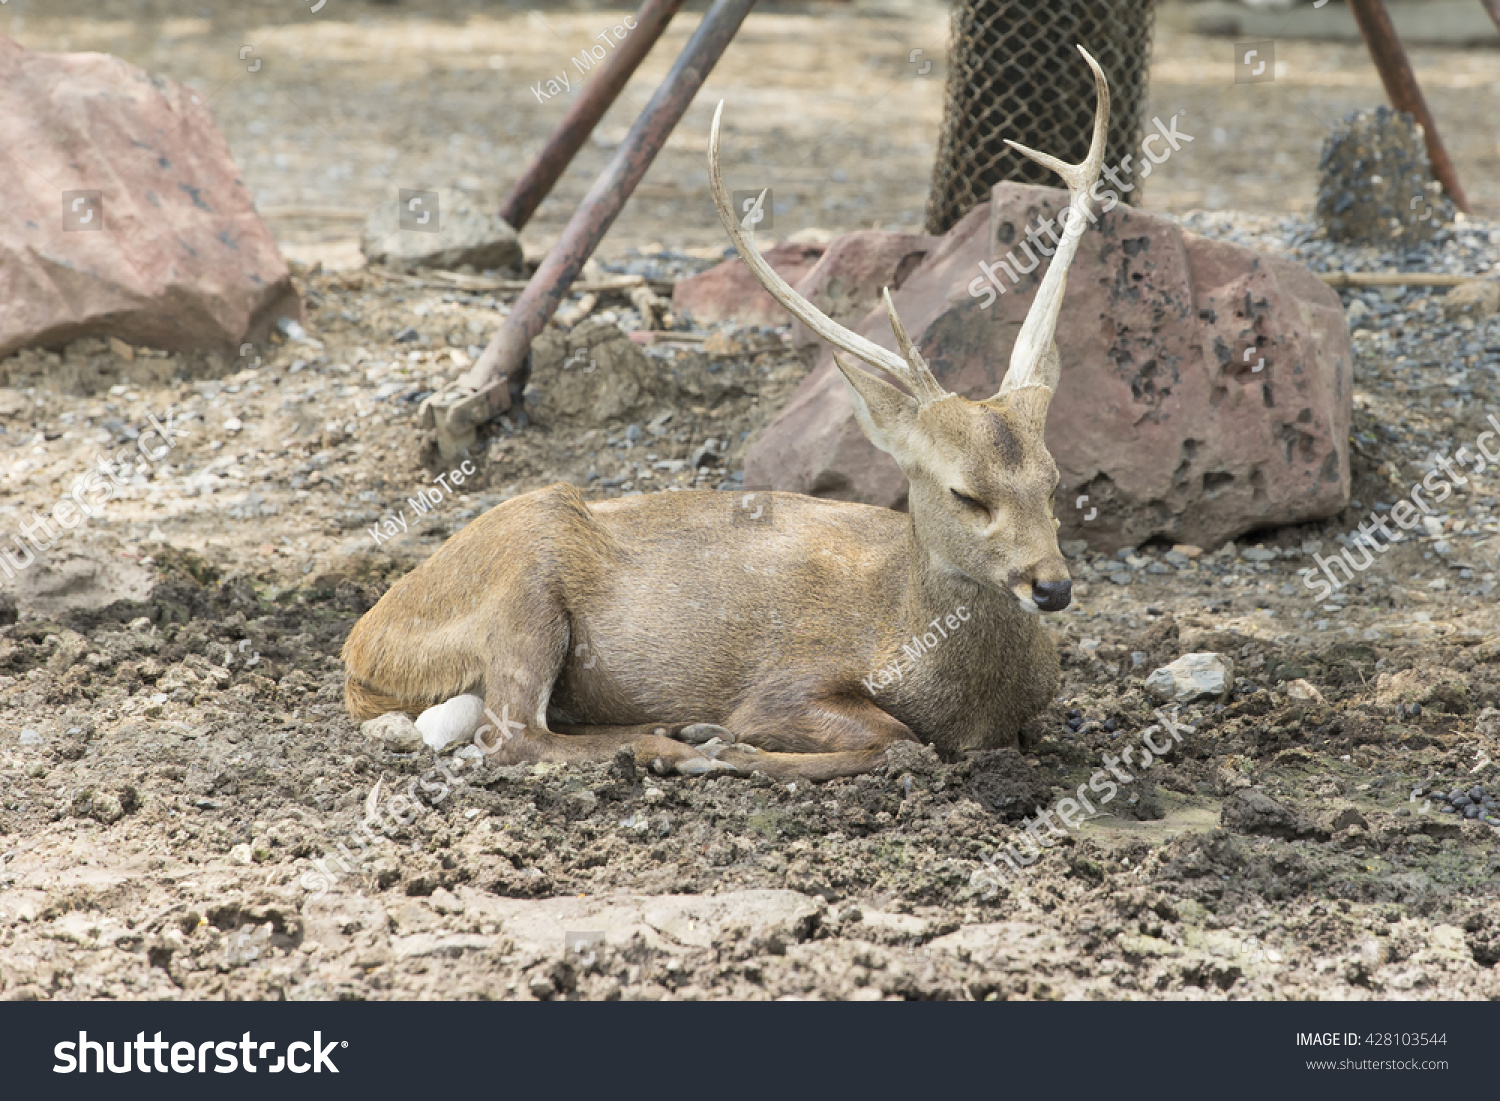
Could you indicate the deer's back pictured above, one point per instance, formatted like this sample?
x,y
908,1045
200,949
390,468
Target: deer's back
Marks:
x,y
806,574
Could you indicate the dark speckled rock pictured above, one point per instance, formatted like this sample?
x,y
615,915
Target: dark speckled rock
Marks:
x,y
1377,184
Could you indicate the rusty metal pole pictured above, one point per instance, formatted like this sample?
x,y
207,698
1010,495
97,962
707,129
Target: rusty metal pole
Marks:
x,y
1493,7
595,99
1402,88
484,390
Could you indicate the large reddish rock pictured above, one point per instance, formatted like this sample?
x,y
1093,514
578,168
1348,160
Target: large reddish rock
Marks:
x,y
847,280
125,214
1205,388
843,279
728,292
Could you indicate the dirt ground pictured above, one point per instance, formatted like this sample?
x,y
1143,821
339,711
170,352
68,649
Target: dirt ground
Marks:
x,y
176,765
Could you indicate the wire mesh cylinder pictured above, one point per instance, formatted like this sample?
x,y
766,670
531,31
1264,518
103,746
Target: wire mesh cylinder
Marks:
x,y
1013,72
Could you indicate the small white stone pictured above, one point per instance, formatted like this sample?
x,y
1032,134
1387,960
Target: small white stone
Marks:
x,y
452,721
1192,677
1303,691
393,730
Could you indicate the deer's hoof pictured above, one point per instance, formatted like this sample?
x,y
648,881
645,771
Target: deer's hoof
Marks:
x,y
716,748
699,733
705,766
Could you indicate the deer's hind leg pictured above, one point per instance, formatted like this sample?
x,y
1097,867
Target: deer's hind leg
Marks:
x,y
524,662
515,729
656,745
522,665
819,739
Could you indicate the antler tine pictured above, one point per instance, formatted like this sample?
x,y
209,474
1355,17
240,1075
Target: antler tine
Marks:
x,y
908,349
1033,360
909,368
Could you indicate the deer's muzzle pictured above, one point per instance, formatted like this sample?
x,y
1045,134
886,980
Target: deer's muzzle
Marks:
x,y
1052,596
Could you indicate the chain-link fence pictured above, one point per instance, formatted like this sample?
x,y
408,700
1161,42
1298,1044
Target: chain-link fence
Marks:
x,y
1013,72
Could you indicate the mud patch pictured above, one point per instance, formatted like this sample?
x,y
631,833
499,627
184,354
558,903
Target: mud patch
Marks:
x,y
72,579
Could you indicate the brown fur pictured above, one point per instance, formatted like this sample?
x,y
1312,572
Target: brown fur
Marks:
x,y
629,620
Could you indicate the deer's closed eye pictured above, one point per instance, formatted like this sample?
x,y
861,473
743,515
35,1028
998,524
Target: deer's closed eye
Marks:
x,y
970,501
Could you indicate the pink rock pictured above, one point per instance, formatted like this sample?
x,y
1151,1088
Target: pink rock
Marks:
x,y
126,215
728,292
846,282
1161,420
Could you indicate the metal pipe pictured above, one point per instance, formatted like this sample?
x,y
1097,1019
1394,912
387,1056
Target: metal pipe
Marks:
x,y
1402,88
562,146
1493,7
503,365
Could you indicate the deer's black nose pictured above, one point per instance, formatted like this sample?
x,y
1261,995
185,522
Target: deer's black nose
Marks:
x,y
1052,596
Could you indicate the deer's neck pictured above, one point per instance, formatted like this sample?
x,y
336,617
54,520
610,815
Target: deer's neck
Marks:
x,y
969,681
936,591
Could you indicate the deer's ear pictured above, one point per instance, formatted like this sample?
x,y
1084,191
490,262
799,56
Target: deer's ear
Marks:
x,y
886,415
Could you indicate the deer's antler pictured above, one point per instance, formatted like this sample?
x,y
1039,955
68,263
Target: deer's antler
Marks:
x,y
1033,359
909,367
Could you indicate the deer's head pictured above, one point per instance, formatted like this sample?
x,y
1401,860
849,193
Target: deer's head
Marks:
x,y
982,480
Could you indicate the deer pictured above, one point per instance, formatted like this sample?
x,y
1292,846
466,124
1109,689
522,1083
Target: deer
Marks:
x,y
802,637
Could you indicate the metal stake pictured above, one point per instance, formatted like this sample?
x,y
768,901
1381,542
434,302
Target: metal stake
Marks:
x,y
1402,88
1493,7
484,391
595,99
